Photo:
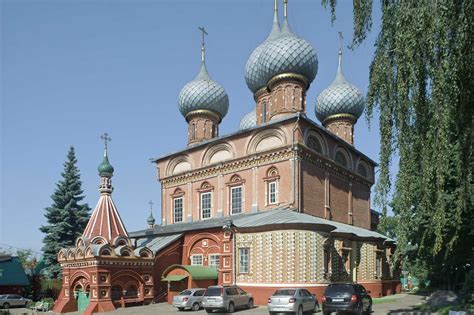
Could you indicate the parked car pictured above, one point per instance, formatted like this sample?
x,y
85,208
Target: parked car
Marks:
x,y
346,297
293,300
9,300
191,298
226,298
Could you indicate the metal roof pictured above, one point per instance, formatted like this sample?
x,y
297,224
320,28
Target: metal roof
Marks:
x,y
11,271
156,243
277,217
196,272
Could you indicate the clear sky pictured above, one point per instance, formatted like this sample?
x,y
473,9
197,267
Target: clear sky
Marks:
x,y
71,70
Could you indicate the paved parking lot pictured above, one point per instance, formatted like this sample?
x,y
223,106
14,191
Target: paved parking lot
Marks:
x,y
401,304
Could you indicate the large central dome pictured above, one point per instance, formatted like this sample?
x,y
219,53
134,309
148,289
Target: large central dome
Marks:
x,y
282,52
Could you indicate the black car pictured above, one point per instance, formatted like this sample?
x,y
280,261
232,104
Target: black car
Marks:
x,y
346,297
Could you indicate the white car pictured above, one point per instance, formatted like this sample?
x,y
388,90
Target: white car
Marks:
x,y
8,300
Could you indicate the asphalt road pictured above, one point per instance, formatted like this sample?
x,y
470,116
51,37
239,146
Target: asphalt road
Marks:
x,y
401,304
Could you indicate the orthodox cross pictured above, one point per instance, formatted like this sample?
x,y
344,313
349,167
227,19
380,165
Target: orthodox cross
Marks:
x,y
340,49
203,31
106,139
151,206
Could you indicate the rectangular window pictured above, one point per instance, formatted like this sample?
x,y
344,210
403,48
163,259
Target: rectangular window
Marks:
x,y
378,267
206,205
327,259
244,260
178,209
272,192
236,200
214,261
196,260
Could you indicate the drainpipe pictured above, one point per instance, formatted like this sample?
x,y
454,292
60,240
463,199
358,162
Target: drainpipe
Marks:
x,y
293,148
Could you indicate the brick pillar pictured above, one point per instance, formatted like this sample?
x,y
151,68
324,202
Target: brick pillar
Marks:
x,y
288,95
342,125
202,125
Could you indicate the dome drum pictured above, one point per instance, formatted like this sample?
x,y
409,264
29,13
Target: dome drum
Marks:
x,y
203,112
288,77
349,117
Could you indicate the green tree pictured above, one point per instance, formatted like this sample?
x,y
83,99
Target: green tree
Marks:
x,y
421,83
66,217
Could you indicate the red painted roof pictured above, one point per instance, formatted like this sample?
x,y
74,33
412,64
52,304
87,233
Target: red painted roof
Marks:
x,y
105,220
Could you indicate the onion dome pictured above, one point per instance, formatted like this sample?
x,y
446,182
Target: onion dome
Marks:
x,y
151,219
105,168
203,93
340,97
288,53
252,68
249,120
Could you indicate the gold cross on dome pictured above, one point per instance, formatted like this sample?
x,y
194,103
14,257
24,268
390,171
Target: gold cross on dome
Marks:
x,y
151,205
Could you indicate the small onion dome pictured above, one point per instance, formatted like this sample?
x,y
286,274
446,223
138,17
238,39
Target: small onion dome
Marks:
x,y
105,168
151,219
249,120
288,54
203,93
340,97
252,68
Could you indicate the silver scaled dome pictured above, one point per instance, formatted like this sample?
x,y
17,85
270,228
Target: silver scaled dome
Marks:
x,y
340,97
203,93
249,120
288,54
252,68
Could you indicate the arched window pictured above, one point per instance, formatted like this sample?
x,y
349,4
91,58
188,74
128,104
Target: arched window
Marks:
x,y
193,131
116,292
341,158
105,252
132,291
362,170
315,144
264,111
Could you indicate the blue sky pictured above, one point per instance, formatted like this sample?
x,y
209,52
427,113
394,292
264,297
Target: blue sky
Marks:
x,y
71,70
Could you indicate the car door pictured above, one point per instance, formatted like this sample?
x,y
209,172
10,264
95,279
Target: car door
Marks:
x,y
311,300
15,300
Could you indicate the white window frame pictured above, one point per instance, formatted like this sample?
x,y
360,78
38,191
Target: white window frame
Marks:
x,y
201,205
175,199
214,256
232,212
244,264
196,256
270,183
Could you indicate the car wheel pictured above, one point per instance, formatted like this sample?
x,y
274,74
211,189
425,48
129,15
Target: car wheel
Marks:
x,y
250,305
180,309
195,307
369,310
208,310
6,305
300,310
316,308
326,313
231,308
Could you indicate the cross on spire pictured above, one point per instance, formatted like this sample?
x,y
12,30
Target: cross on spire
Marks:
x,y
106,139
340,48
285,5
151,206
204,32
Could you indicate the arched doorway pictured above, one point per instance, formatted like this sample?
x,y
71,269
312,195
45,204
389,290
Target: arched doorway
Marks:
x,y
81,293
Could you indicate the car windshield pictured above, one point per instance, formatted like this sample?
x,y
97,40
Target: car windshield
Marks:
x,y
284,292
213,292
186,292
340,288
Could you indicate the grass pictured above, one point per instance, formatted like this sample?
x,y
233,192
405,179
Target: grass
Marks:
x,y
383,300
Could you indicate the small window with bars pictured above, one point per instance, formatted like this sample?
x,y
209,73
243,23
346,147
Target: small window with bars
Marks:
x,y
178,209
196,260
206,205
214,261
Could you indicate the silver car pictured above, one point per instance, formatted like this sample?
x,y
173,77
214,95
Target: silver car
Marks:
x,y
295,300
226,298
191,298
8,300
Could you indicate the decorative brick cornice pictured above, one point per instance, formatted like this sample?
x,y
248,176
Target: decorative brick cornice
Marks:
x,y
280,154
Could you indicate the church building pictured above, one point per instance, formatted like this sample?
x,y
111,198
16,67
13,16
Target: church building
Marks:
x,y
282,202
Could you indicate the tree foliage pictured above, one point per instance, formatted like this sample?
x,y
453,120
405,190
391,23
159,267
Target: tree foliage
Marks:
x,y
421,84
66,217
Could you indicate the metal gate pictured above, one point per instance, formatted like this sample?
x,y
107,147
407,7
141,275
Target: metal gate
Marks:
x,y
82,300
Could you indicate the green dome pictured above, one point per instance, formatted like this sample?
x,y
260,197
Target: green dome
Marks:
x,y
151,219
104,168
